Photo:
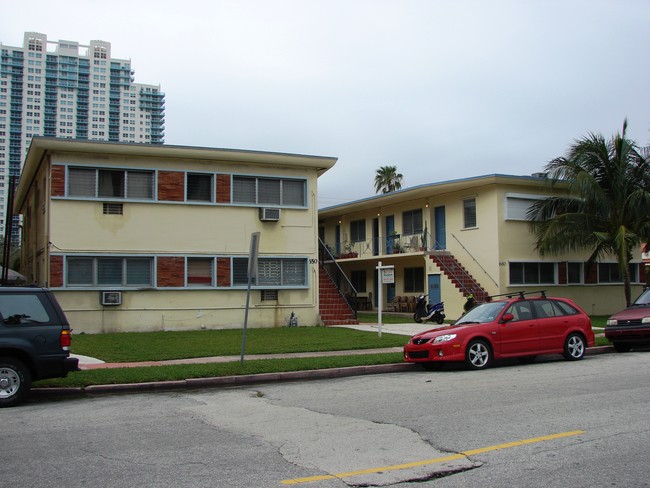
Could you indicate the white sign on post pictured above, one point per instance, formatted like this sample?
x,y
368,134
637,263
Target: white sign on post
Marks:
x,y
386,275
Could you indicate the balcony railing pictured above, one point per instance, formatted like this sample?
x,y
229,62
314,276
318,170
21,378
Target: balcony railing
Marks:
x,y
378,246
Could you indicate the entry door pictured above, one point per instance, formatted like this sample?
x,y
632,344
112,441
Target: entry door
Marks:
x,y
375,236
338,240
390,228
440,229
434,289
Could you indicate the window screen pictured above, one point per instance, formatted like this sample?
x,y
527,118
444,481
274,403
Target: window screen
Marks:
x,y
138,271
268,191
80,271
81,182
243,190
293,192
109,271
139,184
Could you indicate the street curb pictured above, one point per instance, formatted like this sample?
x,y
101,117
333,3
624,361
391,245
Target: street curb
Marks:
x,y
222,381
240,380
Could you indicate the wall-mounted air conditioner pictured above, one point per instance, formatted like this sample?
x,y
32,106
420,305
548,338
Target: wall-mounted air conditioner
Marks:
x,y
110,298
269,214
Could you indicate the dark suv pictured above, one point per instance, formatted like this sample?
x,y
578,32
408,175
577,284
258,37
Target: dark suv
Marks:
x,y
34,341
630,327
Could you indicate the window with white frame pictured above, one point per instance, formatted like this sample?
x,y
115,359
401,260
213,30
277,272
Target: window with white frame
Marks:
x,y
532,273
275,272
469,213
109,271
517,206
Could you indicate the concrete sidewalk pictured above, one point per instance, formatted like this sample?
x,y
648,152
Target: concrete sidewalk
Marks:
x,y
406,329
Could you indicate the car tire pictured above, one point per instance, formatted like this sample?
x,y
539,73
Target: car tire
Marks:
x,y
622,347
574,347
15,382
478,354
433,365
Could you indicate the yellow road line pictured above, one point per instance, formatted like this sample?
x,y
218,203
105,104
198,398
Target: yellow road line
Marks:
x,y
443,459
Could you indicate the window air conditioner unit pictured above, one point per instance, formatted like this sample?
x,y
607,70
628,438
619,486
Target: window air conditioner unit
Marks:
x,y
110,298
269,214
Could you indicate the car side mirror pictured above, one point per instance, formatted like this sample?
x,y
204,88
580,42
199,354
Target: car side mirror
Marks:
x,y
507,318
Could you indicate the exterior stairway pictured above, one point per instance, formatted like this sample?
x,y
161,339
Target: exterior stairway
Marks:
x,y
333,308
458,275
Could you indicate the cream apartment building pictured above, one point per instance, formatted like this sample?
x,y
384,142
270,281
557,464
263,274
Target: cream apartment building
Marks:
x,y
135,237
453,238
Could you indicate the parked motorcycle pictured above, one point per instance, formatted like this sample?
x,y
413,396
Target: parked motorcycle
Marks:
x,y
425,311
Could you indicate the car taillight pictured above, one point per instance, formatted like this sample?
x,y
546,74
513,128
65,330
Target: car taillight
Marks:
x,y
66,340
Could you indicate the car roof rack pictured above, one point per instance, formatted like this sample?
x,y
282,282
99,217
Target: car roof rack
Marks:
x,y
520,294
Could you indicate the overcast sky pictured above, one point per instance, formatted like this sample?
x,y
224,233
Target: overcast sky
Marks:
x,y
442,89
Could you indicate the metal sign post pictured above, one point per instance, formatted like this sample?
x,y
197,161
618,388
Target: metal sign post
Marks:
x,y
385,275
252,272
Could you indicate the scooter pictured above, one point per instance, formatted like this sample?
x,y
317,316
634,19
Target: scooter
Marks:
x,y
425,312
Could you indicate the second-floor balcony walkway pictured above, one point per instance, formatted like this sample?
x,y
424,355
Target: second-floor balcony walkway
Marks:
x,y
379,246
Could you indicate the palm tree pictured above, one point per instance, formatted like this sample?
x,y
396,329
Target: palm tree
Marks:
x,y
606,209
387,179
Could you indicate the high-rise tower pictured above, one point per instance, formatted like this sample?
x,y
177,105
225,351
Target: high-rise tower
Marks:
x,y
65,89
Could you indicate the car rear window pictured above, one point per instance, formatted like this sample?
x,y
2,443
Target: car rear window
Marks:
x,y
21,308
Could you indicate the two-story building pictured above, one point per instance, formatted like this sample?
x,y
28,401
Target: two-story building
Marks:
x,y
135,237
453,238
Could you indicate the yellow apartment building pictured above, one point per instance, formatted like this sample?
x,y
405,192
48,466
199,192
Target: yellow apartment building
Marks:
x,y
135,237
453,238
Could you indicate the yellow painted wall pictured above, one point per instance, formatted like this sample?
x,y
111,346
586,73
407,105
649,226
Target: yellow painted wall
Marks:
x,y
172,228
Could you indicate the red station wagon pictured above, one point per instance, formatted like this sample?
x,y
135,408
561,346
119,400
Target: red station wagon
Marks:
x,y
519,327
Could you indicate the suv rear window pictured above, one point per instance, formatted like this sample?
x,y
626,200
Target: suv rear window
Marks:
x,y
20,308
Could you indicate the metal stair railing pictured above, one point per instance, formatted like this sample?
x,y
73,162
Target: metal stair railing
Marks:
x,y
328,263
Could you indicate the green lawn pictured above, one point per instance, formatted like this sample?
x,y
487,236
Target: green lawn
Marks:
x,y
184,371
155,346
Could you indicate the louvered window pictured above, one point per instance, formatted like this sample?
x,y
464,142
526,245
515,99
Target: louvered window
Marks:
x,y
104,183
243,190
109,271
269,191
81,182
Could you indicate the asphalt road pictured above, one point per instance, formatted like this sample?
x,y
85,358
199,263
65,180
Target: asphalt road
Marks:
x,y
551,423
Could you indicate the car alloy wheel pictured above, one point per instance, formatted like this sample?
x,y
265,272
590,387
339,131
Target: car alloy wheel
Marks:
x,y
574,347
14,382
478,355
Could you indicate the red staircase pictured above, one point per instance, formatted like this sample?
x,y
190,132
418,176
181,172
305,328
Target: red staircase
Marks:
x,y
333,308
458,275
